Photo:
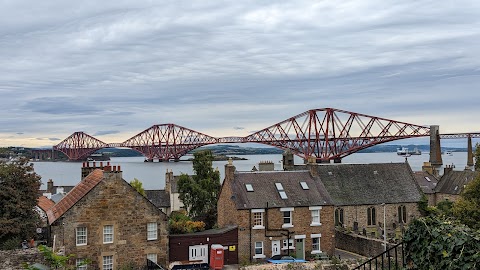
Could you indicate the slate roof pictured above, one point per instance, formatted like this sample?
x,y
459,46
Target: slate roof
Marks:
x,y
265,190
160,198
365,184
78,192
426,181
174,183
453,182
45,203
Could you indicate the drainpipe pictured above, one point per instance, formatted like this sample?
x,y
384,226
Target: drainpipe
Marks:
x,y
250,230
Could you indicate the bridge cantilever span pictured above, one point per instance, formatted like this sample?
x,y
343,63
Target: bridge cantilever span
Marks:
x,y
323,134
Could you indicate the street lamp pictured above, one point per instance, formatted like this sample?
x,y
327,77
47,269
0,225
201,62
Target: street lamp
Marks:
x,y
384,230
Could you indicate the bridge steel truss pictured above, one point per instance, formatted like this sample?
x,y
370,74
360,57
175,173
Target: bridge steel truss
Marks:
x,y
321,134
331,134
79,146
167,141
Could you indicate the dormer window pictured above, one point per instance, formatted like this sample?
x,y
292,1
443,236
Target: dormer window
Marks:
x,y
249,187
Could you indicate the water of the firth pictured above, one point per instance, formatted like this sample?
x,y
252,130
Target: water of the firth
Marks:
x,y
152,175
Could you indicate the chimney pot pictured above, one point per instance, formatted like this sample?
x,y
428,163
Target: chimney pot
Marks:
x,y
119,168
114,168
101,164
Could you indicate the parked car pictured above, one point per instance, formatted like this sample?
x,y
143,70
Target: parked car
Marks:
x,y
284,259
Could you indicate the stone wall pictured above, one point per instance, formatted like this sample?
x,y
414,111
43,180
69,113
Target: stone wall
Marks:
x,y
113,202
358,244
14,259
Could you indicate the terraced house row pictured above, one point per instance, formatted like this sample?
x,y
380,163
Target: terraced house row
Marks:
x,y
296,211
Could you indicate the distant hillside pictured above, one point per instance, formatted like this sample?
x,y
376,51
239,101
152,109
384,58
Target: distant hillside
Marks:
x,y
235,150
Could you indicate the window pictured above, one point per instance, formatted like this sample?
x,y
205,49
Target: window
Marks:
x,y
315,212
81,236
288,244
316,243
108,234
402,214
287,213
339,217
371,216
258,218
152,231
108,262
249,187
81,264
259,250
281,191
304,185
152,257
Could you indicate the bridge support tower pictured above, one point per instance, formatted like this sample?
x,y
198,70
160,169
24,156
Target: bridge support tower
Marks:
x,y
470,152
435,148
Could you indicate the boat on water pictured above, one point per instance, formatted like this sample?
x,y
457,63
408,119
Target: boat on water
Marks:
x,y
448,153
405,152
98,157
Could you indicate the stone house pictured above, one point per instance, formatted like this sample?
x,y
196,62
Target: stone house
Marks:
x,y
452,183
366,194
107,221
276,212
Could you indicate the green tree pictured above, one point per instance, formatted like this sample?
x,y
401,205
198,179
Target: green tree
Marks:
x,y
199,193
467,208
137,184
19,186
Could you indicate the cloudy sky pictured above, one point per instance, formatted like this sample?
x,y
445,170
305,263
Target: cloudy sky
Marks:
x,y
228,68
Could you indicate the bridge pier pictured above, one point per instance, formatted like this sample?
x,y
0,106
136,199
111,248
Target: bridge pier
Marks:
x,y
470,152
435,148
337,160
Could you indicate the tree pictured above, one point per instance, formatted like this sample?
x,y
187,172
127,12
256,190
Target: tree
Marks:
x,y
199,193
19,186
467,208
137,184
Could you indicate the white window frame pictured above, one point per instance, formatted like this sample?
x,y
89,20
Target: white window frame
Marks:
x,y
319,237
152,257
79,236
316,219
107,261
257,255
262,217
108,234
78,266
285,210
152,231
291,244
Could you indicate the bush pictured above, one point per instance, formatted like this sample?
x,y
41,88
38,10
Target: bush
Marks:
x,y
10,244
438,243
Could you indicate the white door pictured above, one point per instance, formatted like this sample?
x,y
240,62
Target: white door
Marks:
x,y
275,247
198,253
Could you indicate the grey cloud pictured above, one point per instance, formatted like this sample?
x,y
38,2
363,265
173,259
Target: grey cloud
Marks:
x,y
105,132
238,128
123,66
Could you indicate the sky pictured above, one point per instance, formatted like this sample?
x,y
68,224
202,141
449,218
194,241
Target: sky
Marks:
x,y
229,68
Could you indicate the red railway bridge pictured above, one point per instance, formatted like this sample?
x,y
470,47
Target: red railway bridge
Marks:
x,y
323,134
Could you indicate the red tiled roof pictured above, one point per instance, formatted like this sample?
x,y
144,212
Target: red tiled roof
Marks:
x,y
78,192
45,203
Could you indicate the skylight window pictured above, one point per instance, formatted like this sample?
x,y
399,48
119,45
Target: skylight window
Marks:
x,y
249,187
304,185
279,186
428,179
281,191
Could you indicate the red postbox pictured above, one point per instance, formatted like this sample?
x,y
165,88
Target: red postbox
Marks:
x,y
216,256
